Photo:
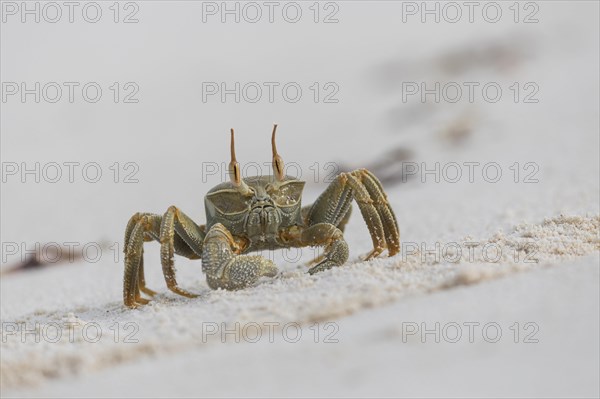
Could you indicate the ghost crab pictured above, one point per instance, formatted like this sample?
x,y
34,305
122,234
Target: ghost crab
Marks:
x,y
256,213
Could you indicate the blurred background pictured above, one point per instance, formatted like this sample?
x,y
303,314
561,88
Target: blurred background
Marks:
x,y
371,55
149,91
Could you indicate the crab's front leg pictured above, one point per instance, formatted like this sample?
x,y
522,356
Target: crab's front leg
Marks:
x,y
225,267
327,235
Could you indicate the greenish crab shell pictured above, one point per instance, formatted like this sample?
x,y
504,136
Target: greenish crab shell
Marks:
x,y
259,215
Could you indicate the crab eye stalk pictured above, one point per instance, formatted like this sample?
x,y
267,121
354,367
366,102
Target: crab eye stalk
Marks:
x,y
235,173
277,160
234,166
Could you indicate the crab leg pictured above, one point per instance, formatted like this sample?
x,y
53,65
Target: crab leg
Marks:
x,y
342,224
147,227
142,279
226,269
138,230
370,215
336,249
388,218
342,215
333,206
175,221
155,219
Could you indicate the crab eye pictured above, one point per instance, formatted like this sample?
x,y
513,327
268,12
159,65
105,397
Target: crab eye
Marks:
x,y
288,193
229,201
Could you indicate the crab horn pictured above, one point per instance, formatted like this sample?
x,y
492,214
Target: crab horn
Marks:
x,y
277,161
234,166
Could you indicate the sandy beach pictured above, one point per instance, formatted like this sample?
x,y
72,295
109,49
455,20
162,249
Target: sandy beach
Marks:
x,y
496,290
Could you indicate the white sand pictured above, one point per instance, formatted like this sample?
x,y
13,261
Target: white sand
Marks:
x,y
561,301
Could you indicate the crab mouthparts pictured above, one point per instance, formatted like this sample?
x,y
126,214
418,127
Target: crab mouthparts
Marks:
x,y
263,221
